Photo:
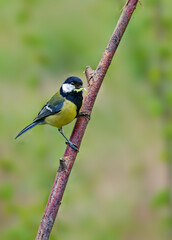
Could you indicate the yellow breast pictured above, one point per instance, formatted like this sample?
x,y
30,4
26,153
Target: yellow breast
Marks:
x,y
65,116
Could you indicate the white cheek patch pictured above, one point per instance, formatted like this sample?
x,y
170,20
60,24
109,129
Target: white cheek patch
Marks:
x,y
68,87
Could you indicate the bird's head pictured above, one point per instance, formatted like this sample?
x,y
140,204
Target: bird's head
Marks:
x,y
72,85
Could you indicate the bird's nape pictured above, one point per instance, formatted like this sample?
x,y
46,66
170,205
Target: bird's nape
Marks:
x,y
62,108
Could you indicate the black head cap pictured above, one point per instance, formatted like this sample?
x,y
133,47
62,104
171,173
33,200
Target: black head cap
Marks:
x,y
74,80
69,93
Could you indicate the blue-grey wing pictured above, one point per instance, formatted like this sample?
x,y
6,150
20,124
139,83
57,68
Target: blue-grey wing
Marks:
x,y
48,110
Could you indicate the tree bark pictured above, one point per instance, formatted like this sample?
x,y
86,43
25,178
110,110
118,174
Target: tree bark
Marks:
x,y
94,79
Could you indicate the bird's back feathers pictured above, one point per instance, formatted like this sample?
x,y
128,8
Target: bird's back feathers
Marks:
x,y
62,108
52,107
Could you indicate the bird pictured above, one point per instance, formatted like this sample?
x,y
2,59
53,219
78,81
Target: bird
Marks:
x,y
62,108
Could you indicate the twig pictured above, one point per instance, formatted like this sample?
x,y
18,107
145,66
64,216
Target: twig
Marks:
x,y
94,79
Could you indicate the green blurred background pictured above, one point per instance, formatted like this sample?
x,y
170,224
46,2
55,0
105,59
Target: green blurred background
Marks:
x,y
119,187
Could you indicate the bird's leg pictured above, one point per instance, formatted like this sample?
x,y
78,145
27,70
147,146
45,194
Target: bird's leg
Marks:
x,y
72,145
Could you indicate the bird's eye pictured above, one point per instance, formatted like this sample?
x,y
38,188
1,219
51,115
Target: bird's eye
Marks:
x,y
72,83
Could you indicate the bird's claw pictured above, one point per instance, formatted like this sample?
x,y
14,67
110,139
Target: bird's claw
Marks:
x,y
72,145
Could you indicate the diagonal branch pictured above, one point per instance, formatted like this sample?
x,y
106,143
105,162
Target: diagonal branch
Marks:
x,y
94,79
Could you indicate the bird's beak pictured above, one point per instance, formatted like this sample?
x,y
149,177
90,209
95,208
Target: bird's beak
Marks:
x,y
81,88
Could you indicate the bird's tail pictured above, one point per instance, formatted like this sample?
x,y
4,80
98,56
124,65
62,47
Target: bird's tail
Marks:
x,y
28,128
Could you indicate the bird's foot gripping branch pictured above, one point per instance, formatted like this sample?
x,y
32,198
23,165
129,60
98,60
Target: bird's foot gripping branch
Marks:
x,y
94,79
62,108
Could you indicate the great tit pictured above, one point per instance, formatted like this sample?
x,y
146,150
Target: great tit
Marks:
x,y
62,108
